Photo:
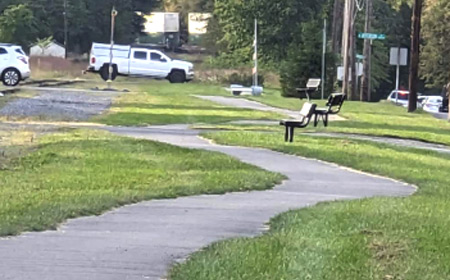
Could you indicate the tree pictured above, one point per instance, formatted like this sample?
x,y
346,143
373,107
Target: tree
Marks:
x,y
88,20
44,43
17,25
414,64
304,59
435,54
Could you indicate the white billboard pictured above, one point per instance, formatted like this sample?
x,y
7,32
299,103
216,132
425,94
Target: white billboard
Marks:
x,y
198,23
161,23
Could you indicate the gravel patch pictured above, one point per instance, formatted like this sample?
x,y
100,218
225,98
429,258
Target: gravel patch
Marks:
x,y
60,105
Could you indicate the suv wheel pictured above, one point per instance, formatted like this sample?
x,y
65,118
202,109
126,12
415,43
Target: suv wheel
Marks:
x,y
11,77
177,77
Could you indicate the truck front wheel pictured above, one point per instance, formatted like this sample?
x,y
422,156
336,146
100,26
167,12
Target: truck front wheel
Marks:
x,y
177,77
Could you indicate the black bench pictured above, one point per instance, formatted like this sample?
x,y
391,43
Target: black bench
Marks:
x,y
306,114
311,87
333,106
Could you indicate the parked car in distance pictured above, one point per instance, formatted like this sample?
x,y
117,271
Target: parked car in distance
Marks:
x,y
138,61
432,104
14,66
403,98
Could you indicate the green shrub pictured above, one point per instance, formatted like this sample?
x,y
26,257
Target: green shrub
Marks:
x,y
245,79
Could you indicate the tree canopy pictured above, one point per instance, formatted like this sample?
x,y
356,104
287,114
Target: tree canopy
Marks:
x,y
435,68
88,20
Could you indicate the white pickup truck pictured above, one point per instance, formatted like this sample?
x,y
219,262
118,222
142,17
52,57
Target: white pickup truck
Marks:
x,y
138,61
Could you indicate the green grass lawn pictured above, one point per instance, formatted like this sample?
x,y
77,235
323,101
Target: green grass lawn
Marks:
x,y
381,238
86,172
160,102
381,119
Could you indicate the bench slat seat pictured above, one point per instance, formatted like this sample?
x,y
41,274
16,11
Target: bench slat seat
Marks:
x,y
303,121
333,106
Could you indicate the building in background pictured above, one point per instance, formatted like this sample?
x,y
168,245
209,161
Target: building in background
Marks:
x,y
53,49
162,29
198,26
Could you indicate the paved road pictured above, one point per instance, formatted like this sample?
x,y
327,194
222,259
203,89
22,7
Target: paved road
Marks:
x,y
441,116
141,241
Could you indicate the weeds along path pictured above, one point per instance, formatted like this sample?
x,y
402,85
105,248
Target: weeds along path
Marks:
x,y
142,241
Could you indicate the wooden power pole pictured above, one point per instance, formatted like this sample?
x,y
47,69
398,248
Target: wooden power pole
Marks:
x,y
346,43
414,65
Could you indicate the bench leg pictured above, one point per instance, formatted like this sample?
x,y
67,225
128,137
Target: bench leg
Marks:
x,y
286,134
325,120
316,119
291,132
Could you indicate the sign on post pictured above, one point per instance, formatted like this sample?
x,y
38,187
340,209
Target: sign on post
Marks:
x,y
358,68
398,57
371,36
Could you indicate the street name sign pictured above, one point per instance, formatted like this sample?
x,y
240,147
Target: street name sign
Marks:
x,y
372,36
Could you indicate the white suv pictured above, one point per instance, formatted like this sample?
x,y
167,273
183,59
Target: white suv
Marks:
x,y
14,65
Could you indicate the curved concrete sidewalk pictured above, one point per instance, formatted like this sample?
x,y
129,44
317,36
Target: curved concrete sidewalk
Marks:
x,y
254,105
141,241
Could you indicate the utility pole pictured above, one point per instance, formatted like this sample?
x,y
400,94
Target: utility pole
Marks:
x,y
255,56
414,65
111,69
324,53
66,36
366,81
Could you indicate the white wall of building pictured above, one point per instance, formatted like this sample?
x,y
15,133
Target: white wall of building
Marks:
x,y
54,50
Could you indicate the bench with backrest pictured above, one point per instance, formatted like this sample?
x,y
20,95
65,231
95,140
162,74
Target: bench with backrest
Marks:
x,y
311,87
305,116
333,106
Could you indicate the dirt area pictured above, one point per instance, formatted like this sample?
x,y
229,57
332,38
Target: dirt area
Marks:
x,y
59,105
54,67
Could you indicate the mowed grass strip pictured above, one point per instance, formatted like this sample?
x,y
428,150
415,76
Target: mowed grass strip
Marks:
x,y
380,119
379,238
87,172
160,102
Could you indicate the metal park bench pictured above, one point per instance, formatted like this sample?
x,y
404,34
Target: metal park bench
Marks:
x,y
333,106
311,87
306,114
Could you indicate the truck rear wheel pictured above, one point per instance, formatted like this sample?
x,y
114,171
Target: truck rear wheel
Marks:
x,y
104,72
177,77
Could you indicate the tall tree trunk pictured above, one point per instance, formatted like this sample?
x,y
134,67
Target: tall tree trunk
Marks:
x,y
414,65
336,31
366,80
354,74
352,43
346,45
